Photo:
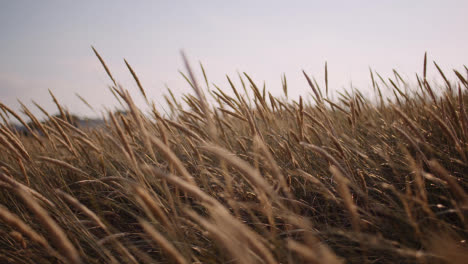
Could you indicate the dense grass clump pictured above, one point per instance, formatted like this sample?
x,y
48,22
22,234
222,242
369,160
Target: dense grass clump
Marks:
x,y
246,179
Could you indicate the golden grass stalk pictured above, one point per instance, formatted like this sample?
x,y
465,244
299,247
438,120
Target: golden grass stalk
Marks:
x,y
251,174
463,116
4,107
304,251
153,205
184,185
173,159
15,184
312,86
59,107
312,179
449,133
184,130
163,242
233,87
326,155
123,138
457,190
90,214
345,194
14,221
85,210
90,144
139,120
273,165
62,133
7,144
84,101
201,97
410,123
326,79
419,182
232,114
104,65
231,242
234,227
398,90
63,164
59,238
4,119
70,127
313,255
225,98
34,120
136,79
56,138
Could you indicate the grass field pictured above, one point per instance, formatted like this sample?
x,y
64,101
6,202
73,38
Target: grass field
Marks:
x,y
246,178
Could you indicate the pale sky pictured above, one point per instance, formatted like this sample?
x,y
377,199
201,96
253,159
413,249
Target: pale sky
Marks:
x,y
46,44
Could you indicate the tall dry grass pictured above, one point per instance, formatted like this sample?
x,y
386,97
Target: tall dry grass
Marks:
x,y
237,175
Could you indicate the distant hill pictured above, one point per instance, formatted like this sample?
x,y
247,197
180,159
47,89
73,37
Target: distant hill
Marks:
x,y
73,119
89,123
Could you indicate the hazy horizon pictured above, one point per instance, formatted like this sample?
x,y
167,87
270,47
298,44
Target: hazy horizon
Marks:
x,y
47,45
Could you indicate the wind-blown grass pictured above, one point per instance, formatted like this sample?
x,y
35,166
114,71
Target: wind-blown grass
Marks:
x,y
245,179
